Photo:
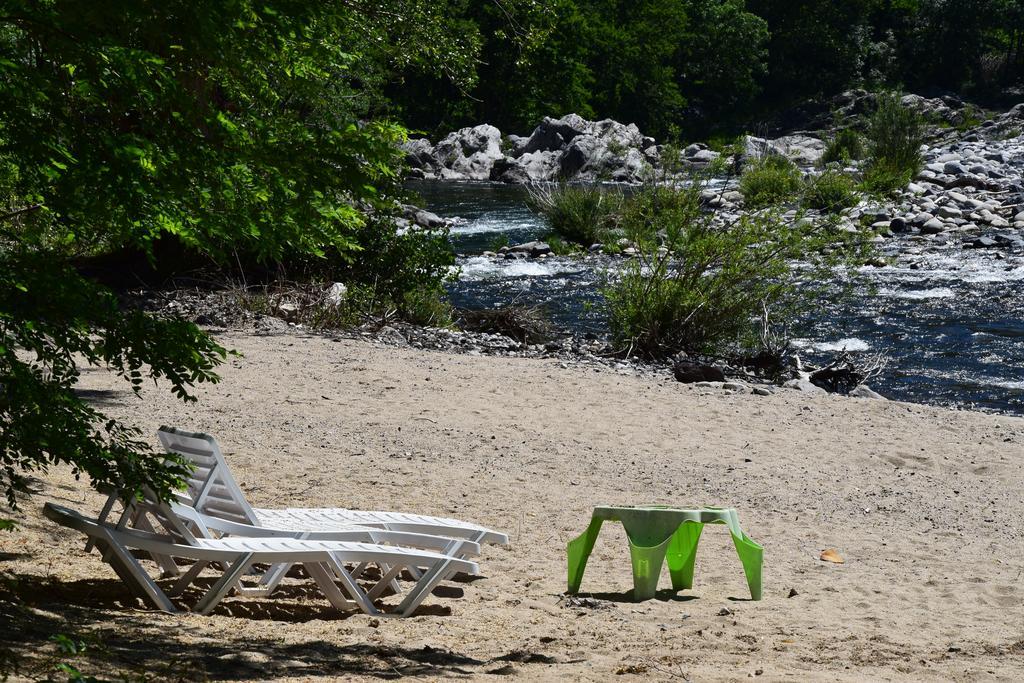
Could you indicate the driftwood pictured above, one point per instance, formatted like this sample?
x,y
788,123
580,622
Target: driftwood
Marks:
x,y
527,324
846,371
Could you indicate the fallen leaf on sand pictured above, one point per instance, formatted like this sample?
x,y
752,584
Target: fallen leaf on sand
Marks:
x,y
832,555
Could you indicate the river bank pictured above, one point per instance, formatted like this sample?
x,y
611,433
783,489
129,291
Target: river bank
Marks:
x,y
941,300
921,502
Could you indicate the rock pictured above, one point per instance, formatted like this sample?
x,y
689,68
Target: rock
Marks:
x,y
982,242
736,386
864,391
419,153
762,391
288,311
1019,217
336,294
705,156
804,150
527,168
469,153
757,148
428,219
933,227
949,212
921,218
898,225
953,168
390,334
804,385
688,372
546,137
533,249
584,153
515,145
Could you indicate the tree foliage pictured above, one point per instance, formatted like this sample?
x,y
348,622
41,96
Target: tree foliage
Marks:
x,y
227,127
702,65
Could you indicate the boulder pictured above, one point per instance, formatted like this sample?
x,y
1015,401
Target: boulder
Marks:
x,y
688,372
428,219
864,391
804,385
533,249
545,138
469,153
982,242
703,157
419,153
584,154
528,168
804,150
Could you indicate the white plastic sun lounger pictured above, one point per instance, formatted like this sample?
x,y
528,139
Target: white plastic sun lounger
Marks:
x,y
323,560
212,490
189,525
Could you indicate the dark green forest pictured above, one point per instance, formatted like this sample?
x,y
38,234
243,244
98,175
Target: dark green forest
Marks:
x,y
708,65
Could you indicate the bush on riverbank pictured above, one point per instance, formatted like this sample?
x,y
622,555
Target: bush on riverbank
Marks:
x,y
846,146
581,214
703,288
830,192
769,180
895,134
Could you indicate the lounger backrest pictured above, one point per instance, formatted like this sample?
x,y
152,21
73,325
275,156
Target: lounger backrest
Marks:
x,y
211,487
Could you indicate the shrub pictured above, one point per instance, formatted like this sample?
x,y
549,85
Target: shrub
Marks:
x,y
707,289
895,134
560,247
577,213
769,180
845,147
831,191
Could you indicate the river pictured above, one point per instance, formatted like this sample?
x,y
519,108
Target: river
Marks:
x,y
951,319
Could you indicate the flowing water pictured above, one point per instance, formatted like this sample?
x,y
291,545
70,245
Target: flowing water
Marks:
x,y
951,320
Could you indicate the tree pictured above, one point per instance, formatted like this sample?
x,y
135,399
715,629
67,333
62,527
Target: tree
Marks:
x,y
228,127
721,59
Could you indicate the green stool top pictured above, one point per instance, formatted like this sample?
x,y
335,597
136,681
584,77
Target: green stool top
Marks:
x,y
659,533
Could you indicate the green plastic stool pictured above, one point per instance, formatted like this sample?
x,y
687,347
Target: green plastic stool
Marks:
x,y
658,533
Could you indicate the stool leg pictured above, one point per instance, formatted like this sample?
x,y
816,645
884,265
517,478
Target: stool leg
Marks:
x,y
578,551
752,557
682,552
647,563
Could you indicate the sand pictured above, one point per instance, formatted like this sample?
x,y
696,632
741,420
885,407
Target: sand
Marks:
x,y
924,504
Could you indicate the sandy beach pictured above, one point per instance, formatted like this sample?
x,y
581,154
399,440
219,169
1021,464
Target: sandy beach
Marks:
x,y
924,504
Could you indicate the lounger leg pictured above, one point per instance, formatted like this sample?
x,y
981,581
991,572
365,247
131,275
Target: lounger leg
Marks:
x,y
272,578
104,513
357,593
422,588
151,592
323,579
167,564
386,580
224,585
188,577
